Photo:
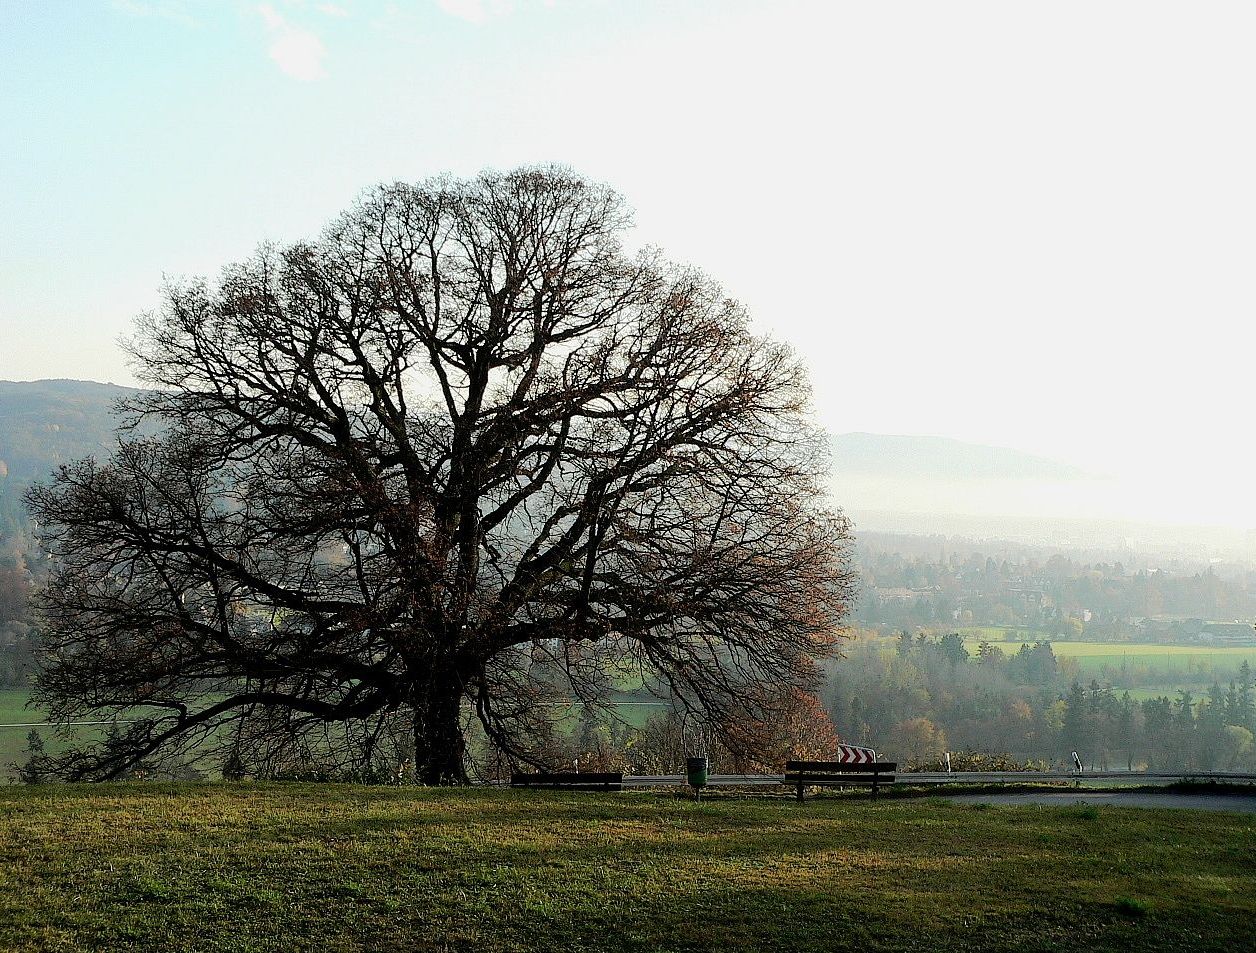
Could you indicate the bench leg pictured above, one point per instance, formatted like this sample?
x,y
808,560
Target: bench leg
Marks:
x,y
799,792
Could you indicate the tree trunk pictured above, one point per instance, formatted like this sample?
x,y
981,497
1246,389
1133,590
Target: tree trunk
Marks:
x,y
439,745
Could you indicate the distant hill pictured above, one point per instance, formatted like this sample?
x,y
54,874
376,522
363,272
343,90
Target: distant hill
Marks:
x,y
940,458
914,484
890,482
44,424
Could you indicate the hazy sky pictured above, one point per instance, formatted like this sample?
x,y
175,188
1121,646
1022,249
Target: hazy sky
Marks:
x,y
1022,224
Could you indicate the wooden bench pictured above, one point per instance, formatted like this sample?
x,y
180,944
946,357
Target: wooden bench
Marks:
x,y
569,780
804,774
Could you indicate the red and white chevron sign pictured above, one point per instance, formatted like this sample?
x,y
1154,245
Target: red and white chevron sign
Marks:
x,y
853,754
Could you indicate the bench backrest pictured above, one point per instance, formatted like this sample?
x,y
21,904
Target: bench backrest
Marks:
x,y
840,767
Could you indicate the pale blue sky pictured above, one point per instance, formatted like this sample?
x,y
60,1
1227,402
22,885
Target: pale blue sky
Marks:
x,y
1014,223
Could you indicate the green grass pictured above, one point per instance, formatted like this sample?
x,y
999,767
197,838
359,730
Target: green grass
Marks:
x,y
1144,692
632,711
1149,669
1131,907
1136,650
336,868
13,707
1142,652
13,740
997,633
1179,664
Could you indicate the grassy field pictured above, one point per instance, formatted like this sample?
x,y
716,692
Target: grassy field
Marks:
x,y
13,740
1130,650
333,868
1179,664
998,633
13,707
1139,651
632,713
13,712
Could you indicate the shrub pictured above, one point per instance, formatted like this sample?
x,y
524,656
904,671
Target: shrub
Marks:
x,y
976,761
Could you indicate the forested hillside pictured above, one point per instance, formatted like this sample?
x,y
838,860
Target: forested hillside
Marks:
x,y
933,582
918,697
42,425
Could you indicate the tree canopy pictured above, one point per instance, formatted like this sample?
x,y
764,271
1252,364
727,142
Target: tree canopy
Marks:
x,y
461,455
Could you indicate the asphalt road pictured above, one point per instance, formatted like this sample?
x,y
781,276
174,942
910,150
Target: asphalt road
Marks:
x,y
1243,803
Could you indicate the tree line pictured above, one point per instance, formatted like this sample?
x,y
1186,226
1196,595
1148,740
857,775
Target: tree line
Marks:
x,y
918,697
1066,597
18,636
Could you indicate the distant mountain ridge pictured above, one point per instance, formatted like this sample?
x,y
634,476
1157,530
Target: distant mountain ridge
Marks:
x,y
44,424
49,422
940,458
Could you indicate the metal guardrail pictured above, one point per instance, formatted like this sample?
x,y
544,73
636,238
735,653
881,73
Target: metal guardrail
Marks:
x,y
938,778
713,780
1031,777
69,724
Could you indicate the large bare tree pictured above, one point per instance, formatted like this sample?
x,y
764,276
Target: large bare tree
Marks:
x,y
401,467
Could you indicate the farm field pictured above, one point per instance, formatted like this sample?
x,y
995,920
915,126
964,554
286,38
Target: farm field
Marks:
x,y
1093,655
13,707
1144,692
1180,664
1141,651
13,740
997,633
632,711
337,868
1083,649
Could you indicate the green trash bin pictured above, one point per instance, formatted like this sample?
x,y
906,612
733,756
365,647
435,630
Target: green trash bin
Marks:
x,y
696,769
